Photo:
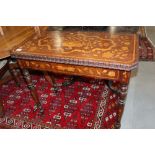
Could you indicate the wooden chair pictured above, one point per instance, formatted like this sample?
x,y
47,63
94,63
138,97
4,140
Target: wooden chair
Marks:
x,y
7,65
1,31
9,38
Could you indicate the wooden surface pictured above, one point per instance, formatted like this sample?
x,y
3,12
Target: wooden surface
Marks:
x,y
86,71
96,54
95,49
4,54
13,35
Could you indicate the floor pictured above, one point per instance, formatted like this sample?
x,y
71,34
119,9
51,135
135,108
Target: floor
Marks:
x,y
139,111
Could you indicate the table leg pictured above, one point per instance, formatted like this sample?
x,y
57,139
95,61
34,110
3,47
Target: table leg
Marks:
x,y
121,102
32,89
50,78
12,68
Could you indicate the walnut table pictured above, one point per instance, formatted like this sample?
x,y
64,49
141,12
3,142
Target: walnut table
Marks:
x,y
101,55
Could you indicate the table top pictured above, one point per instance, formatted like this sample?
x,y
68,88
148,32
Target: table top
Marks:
x,y
87,48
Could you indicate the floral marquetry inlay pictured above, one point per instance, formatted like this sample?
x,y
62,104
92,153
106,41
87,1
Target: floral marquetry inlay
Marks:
x,y
96,49
72,70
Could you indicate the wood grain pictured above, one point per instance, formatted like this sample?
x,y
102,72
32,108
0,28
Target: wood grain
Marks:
x,y
14,35
95,49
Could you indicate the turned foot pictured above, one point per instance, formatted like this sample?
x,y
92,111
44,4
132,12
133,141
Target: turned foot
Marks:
x,y
121,102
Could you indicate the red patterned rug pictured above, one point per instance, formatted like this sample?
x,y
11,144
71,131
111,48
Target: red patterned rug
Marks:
x,y
146,49
85,104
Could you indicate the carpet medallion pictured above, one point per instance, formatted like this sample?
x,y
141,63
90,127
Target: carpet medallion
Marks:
x,y
85,104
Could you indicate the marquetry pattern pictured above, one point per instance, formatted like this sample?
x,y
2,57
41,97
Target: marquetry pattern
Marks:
x,y
95,49
100,73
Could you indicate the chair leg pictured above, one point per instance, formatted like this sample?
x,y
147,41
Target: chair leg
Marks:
x,y
5,80
1,109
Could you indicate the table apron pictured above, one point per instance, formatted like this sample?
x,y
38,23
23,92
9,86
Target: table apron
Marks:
x,y
86,71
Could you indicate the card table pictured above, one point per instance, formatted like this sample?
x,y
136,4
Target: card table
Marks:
x,y
95,54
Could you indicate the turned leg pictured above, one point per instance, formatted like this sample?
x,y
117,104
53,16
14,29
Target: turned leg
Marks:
x,y
32,89
121,102
1,110
13,71
49,78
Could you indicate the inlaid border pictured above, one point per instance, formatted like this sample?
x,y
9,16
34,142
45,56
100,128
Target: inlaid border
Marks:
x,y
70,61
